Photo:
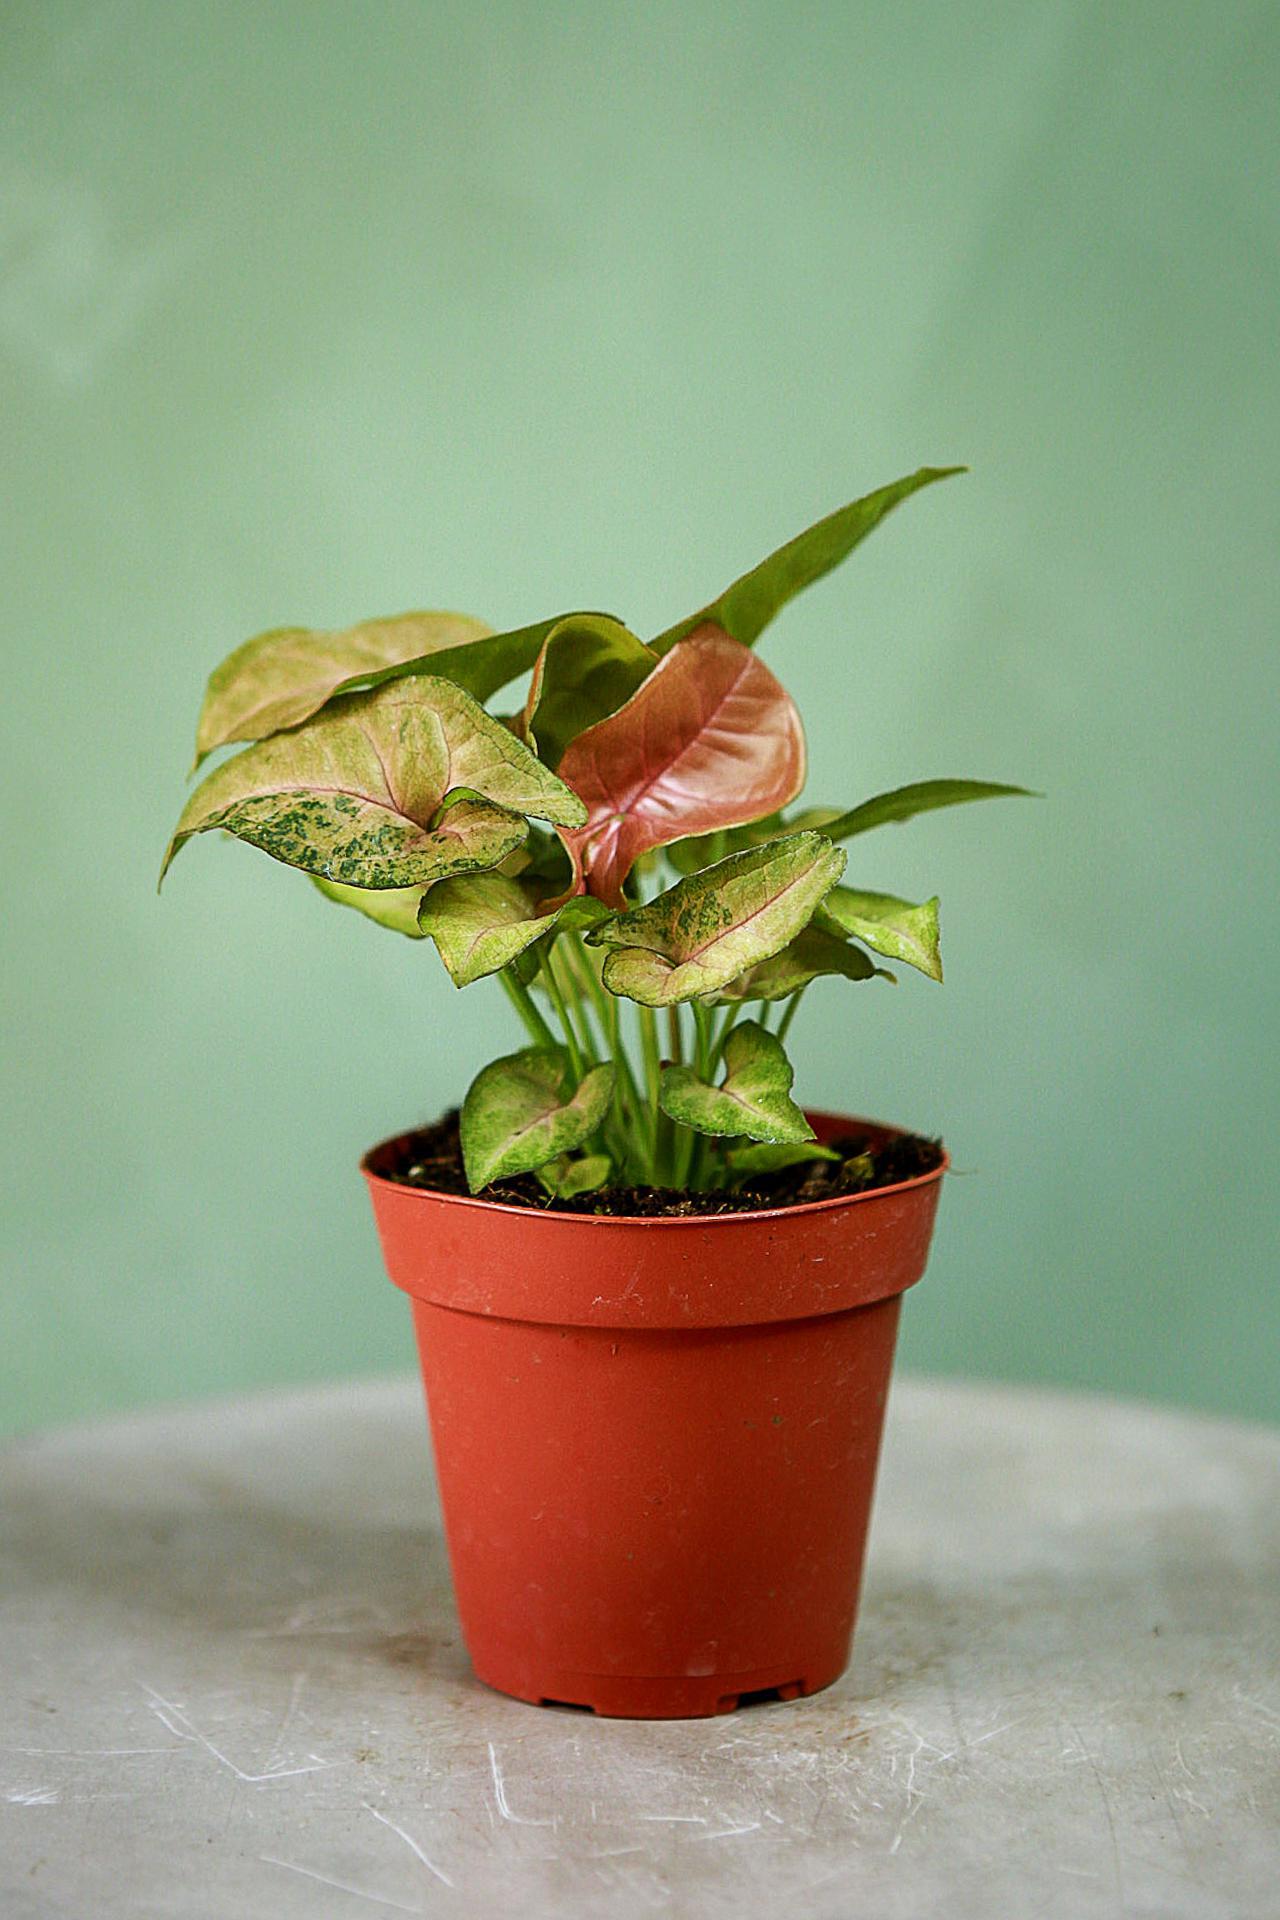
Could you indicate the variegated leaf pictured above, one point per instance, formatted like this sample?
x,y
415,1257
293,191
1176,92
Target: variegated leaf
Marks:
x,y
887,925
813,952
753,1099
574,1174
709,928
393,907
358,794
523,1110
746,608
708,740
589,666
481,922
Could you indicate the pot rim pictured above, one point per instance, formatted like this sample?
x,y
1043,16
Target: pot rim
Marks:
x,y
560,1217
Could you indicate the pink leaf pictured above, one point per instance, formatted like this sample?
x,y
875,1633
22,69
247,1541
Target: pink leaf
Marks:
x,y
710,739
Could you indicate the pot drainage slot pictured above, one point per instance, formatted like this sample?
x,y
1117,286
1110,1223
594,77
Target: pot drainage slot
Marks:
x,y
568,1706
759,1696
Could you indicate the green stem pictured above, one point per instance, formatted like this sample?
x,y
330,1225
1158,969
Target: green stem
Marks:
x,y
658,1125
558,1001
789,1014
523,1002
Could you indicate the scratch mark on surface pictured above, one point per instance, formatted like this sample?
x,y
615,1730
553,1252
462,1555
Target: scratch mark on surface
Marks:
x,y
90,1753
33,1796
343,1886
291,1708
728,1833
169,1716
500,1795
410,1842
1106,1808
678,1819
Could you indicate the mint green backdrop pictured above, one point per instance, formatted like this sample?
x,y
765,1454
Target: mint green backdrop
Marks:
x,y
313,311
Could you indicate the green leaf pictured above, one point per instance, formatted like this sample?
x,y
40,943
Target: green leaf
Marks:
x,y
744,1162
393,907
746,608
754,1098
281,678
589,666
565,1177
707,929
887,925
522,1111
358,795
813,952
479,922
690,856
903,803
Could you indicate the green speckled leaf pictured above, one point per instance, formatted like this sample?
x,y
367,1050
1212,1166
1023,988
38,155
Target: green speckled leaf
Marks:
x,y
522,1111
707,929
393,907
589,666
887,925
813,952
753,1099
746,608
358,794
567,1176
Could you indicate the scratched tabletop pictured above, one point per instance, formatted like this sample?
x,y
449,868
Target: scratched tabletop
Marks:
x,y
231,1683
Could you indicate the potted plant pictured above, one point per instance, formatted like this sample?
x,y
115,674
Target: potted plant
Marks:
x,y
655,1300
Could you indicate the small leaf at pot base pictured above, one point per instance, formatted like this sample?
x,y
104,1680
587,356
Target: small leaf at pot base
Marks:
x,y
887,925
568,1176
754,1098
353,795
924,796
522,1111
393,907
813,953
589,666
709,928
745,1162
709,740
746,608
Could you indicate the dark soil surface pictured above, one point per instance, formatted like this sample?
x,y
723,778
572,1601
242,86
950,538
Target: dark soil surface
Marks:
x,y
432,1159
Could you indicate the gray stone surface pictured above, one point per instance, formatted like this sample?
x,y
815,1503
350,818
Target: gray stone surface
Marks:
x,y
231,1683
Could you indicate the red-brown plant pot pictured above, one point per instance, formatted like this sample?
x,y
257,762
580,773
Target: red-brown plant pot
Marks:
x,y
656,1439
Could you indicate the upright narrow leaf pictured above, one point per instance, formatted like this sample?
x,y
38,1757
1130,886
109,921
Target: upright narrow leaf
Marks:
x,y
754,1098
746,608
924,796
708,740
887,925
708,929
281,678
522,1111
589,666
358,795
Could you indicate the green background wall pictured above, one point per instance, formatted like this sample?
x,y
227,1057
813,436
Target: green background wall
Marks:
x,y
313,311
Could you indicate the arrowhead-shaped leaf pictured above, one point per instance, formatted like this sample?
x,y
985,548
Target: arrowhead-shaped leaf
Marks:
x,y
358,794
708,740
483,921
887,925
754,1098
746,608
707,929
393,907
903,803
522,1111
281,678
589,666
813,952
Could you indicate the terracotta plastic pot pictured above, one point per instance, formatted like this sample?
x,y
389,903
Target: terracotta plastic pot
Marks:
x,y
656,1439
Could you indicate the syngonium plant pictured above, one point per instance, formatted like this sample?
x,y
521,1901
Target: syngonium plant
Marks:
x,y
620,839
